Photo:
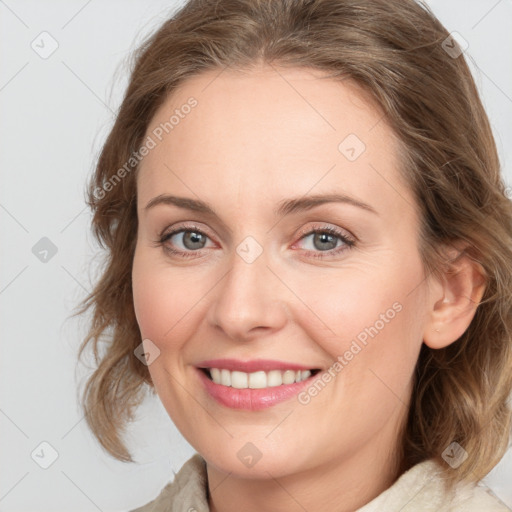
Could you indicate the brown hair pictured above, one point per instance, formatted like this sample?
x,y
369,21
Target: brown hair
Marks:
x,y
396,52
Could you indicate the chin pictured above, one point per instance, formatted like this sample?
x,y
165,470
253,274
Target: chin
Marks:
x,y
257,460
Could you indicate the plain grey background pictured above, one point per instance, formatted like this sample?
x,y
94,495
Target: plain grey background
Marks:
x,y
62,74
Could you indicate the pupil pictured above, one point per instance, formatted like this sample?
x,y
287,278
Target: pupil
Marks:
x,y
193,238
325,237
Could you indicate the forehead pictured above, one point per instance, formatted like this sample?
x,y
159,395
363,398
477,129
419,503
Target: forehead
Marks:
x,y
270,133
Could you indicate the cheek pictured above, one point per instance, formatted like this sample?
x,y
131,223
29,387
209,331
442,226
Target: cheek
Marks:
x,y
370,319
373,339
169,303
160,300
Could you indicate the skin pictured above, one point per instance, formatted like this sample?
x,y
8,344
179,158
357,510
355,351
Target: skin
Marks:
x,y
254,139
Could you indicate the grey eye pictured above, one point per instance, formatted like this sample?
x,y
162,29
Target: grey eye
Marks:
x,y
193,240
324,241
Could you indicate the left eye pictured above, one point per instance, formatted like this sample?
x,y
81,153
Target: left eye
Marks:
x,y
322,241
192,240
326,240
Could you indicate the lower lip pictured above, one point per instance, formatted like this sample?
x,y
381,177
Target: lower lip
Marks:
x,y
251,399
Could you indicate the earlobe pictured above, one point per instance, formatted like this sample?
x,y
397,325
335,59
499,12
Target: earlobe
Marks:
x,y
456,300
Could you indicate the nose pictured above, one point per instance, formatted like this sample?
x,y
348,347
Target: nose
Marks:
x,y
249,301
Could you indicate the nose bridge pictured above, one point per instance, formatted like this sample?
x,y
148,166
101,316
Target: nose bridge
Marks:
x,y
248,298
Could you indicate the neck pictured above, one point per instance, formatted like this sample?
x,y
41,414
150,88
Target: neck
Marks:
x,y
336,486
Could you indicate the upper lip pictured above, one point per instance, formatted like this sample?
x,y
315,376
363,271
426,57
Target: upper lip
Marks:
x,y
254,365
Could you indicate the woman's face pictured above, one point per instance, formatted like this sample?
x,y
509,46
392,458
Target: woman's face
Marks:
x,y
295,249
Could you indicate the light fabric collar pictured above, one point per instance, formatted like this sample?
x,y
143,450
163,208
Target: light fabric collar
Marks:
x,y
418,489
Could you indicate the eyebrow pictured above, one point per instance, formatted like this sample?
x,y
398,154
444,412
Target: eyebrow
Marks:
x,y
285,207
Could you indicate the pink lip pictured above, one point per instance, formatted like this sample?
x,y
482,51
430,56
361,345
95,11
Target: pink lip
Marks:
x,y
255,365
251,399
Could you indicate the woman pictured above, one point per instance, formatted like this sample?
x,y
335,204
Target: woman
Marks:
x,y
309,260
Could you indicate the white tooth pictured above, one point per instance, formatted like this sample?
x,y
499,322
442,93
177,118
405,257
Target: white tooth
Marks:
x,y
258,380
215,374
239,380
305,374
225,377
288,377
274,378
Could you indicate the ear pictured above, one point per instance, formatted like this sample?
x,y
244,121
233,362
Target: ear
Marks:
x,y
454,299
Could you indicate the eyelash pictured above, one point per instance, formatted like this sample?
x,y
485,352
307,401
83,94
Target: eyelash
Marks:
x,y
347,241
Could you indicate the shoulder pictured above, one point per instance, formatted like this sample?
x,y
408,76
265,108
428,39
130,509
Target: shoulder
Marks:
x,y
474,498
419,488
422,488
186,493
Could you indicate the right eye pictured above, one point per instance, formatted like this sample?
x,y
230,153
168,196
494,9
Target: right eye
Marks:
x,y
188,241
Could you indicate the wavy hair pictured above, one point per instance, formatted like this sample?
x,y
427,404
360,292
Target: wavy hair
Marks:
x,y
397,51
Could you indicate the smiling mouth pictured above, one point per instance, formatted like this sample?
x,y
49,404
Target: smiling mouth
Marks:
x,y
257,380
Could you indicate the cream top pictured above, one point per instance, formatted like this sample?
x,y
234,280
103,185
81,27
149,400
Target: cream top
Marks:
x,y
418,489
